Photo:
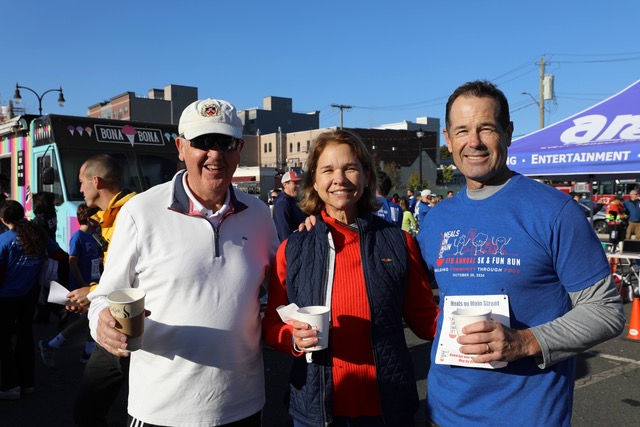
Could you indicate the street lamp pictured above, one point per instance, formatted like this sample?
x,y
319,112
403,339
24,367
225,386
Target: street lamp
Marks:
x,y
17,98
540,105
420,135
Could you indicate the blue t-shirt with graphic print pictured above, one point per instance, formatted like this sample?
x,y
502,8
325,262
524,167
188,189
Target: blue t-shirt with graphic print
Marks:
x,y
535,253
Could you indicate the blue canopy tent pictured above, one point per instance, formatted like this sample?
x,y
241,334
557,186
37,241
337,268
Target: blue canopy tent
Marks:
x,y
601,142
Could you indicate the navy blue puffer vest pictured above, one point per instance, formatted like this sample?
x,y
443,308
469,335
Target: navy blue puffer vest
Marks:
x,y
385,266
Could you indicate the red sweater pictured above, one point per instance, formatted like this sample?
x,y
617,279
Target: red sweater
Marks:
x,y
355,391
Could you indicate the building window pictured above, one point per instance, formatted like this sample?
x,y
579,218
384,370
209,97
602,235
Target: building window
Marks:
x,y
269,147
290,147
298,147
265,148
308,145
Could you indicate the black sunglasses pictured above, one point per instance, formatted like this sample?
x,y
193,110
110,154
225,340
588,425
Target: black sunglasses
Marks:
x,y
215,142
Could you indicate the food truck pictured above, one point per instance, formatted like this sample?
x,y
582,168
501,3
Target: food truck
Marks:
x,y
45,154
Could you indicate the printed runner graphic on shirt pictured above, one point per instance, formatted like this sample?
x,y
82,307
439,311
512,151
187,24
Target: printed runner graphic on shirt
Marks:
x,y
475,254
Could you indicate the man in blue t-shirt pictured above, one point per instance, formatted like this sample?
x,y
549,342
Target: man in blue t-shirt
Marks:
x,y
486,246
424,205
390,211
287,216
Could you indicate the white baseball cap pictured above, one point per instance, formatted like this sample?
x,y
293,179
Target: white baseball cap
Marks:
x,y
292,175
425,193
210,116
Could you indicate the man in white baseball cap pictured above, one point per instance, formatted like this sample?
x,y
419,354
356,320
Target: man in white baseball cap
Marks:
x,y
200,250
210,116
287,216
423,206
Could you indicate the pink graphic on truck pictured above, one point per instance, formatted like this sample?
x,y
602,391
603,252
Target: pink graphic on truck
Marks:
x,y
130,133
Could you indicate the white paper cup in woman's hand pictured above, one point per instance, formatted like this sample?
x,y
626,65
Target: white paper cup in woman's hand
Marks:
x,y
318,317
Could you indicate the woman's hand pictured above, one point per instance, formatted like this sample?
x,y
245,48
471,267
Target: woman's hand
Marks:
x,y
304,336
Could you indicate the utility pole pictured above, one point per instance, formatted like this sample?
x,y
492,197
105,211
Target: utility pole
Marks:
x,y
341,107
541,99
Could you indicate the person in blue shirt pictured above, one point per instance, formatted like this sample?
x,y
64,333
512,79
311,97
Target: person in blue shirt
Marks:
x,y
287,216
85,268
389,210
423,206
487,247
23,251
412,200
632,206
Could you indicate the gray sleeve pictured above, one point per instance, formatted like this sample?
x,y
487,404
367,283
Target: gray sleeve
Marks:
x,y
597,315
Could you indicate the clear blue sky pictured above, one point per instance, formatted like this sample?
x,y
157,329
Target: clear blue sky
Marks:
x,y
390,60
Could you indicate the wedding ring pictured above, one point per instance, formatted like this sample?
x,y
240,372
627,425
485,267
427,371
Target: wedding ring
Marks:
x,y
488,348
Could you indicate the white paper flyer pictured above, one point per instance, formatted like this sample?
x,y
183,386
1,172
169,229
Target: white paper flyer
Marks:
x,y
448,347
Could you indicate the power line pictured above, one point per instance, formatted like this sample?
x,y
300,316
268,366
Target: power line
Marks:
x,y
599,61
411,106
438,101
596,54
580,93
518,68
581,98
514,74
619,57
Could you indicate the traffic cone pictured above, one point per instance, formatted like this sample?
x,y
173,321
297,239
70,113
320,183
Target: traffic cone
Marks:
x,y
634,323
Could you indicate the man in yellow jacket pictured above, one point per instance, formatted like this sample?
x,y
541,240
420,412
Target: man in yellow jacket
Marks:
x,y
100,178
104,375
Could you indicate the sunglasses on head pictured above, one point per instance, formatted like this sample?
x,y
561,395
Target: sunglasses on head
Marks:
x,y
215,142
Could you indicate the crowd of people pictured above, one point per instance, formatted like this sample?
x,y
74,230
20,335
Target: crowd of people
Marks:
x,y
204,252
622,215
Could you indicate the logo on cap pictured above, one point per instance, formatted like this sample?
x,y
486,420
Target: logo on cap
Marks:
x,y
209,110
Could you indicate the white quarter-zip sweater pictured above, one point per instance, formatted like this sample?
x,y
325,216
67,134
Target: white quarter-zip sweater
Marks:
x,y
201,361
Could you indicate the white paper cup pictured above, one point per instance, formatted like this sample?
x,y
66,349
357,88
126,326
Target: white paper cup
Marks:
x,y
318,317
466,316
127,307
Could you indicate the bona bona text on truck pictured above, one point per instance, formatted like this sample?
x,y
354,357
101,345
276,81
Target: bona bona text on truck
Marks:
x,y
45,154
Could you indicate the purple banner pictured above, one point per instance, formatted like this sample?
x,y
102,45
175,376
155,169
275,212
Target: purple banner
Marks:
x,y
601,140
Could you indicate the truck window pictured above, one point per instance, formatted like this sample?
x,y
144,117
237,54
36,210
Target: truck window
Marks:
x,y
73,160
5,175
155,169
45,162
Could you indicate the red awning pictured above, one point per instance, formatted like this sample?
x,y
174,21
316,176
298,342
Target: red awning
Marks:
x,y
243,178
